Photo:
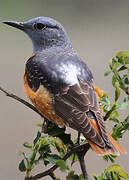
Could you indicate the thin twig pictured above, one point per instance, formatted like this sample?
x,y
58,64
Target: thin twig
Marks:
x,y
53,176
66,156
81,154
20,100
80,149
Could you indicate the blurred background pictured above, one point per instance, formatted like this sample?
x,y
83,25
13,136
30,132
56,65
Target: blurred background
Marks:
x,y
97,28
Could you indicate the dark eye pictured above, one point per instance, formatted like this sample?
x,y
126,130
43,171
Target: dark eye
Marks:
x,y
39,26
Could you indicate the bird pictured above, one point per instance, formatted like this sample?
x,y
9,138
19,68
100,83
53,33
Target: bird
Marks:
x,y
60,84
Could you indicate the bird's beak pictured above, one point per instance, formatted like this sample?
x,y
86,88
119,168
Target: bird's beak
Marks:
x,y
18,25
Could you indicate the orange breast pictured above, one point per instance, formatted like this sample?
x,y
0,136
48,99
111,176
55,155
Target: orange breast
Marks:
x,y
42,100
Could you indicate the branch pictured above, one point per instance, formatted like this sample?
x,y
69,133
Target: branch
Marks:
x,y
20,100
50,171
81,154
119,79
107,115
80,149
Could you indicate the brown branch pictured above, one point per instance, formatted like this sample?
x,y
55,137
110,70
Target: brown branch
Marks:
x,y
20,100
81,154
79,149
49,171
107,115
76,149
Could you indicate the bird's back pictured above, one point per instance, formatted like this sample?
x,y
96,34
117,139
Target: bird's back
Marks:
x,y
56,68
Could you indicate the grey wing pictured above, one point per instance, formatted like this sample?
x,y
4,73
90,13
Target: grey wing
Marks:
x,y
74,104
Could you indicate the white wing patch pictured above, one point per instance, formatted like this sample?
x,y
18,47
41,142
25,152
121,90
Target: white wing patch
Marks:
x,y
70,72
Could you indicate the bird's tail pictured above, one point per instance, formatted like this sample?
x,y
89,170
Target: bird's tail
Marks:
x,y
116,149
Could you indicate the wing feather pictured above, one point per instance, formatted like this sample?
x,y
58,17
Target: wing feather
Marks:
x,y
73,105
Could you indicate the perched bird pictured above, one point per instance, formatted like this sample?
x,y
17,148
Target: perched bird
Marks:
x,y
60,84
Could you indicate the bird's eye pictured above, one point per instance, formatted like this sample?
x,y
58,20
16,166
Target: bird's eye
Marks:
x,y
39,26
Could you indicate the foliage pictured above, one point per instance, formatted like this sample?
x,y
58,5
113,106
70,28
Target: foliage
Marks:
x,y
41,150
113,172
73,176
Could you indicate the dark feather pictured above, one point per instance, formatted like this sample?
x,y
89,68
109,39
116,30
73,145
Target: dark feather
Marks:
x,y
75,104
71,102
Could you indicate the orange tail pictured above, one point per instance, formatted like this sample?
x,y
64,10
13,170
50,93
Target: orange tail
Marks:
x,y
115,150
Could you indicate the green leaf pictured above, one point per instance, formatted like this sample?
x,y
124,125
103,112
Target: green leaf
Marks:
x,y
37,137
104,101
123,60
102,177
72,176
127,119
53,158
96,177
27,145
114,80
36,161
44,146
65,138
55,131
118,169
43,142
122,68
39,124
22,166
110,157
120,128
115,64
126,80
21,153
46,162
114,175
114,116
62,165
81,177
117,91
73,157
57,142
124,104
122,54
107,73
113,172
105,176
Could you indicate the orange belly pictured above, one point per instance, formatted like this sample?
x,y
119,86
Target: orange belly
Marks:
x,y
42,100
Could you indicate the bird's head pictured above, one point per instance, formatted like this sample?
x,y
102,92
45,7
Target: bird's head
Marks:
x,y
44,32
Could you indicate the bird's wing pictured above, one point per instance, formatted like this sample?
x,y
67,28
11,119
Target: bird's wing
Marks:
x,y
75,104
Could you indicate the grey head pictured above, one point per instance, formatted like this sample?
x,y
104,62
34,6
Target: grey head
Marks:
x,y
44,32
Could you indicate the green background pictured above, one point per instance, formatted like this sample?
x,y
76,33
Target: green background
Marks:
x,y
97,28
